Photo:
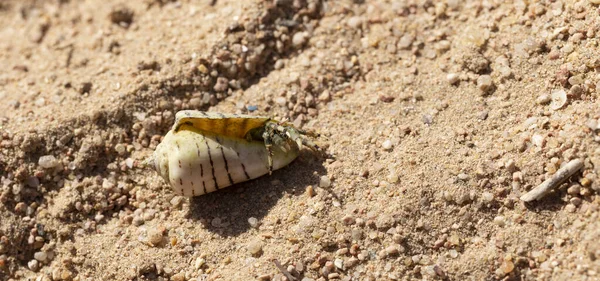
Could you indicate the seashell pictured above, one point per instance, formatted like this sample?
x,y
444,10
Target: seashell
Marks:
x,y
559,99
207,151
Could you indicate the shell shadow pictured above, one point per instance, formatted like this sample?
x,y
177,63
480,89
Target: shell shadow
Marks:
x,y
226,212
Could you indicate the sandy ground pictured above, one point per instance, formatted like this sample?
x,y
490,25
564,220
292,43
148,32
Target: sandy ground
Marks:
x,y
436,115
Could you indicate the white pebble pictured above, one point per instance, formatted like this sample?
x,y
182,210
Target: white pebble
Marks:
x,y
406,41
499,220
33,265
453,253
355,22
48,161
199,263
387,145
537,140
120,148
40,256
325,182
487,197
299,39
484,83
452,78
155,236
253,222
339,263
40,102
129,163
281,101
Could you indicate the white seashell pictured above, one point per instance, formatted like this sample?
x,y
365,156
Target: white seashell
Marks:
x,y
206,151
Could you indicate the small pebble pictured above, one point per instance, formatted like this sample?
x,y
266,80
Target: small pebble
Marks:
x,y
355,22
391,250
575,80
405,41
453,253
255,248
48,161
351,262
554,54
199,263
310,191
500,221
253,222
222,84
487,197
574,189
216,222
33,265
281,101
176,201
40,256
20,207
121,148
178,277
484,83
155,236
387,145
299,39
339,263
324,182
348,220
452,78
129,163
575,201
507,267
543,99
33,182
325,96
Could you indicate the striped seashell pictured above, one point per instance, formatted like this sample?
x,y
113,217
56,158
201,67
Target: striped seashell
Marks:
x,y
207,151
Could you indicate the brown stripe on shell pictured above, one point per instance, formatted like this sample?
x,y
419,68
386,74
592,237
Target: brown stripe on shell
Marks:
x,y
201,168
243,167
225,160
212,167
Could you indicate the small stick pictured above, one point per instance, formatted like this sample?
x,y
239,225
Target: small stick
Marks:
x,y
554,181
284,271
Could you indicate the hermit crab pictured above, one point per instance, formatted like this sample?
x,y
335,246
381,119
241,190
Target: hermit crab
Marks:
x,y
207,151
